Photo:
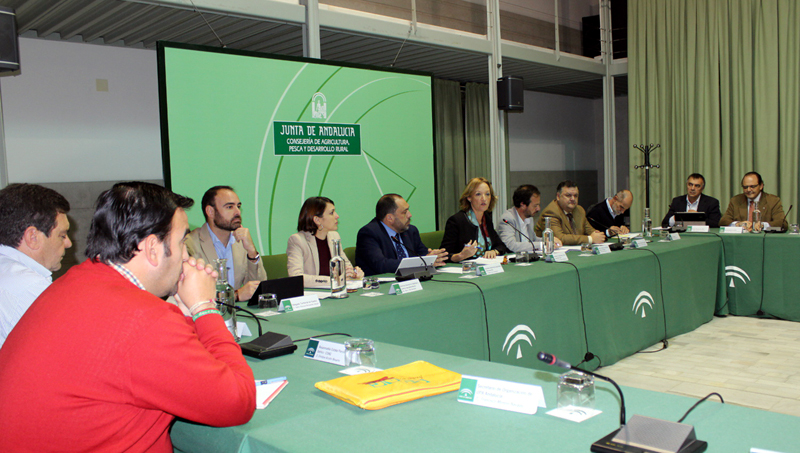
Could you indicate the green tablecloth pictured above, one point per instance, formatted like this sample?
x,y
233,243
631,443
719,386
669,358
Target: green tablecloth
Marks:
x,y
303,418
616,310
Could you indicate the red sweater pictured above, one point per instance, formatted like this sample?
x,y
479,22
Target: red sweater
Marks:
x,y
97,364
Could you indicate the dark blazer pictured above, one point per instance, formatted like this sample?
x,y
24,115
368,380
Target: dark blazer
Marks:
x,y
459,230
602,218
709,205
375,253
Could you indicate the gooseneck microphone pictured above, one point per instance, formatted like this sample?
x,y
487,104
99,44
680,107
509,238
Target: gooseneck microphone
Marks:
x,y
550,359
533,247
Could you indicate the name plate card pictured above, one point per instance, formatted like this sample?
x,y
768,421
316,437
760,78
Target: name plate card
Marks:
x,y
489,269
505,395
408,286
698,229
674,237
557,257
299,303
638,243
732,229
601,249
325,351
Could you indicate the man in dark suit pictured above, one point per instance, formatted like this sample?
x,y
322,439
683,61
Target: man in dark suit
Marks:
x,y
694,201
389,237
609,215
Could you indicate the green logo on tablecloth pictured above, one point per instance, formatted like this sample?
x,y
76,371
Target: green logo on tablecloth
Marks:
x,y
738,272
467,391
519,333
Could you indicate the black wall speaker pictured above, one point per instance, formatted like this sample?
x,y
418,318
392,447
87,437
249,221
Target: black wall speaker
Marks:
x,y
9,44
510,94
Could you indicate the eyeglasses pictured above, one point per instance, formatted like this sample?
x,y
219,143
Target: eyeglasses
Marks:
x,y
750,187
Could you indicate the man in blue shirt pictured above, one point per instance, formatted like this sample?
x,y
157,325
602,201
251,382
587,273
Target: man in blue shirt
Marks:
x,y
224,237
33,240
389,237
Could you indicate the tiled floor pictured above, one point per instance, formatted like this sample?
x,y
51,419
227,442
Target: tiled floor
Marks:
x,y
751,362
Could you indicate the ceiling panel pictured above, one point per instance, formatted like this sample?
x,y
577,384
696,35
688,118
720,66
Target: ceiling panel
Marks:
x,y
131,24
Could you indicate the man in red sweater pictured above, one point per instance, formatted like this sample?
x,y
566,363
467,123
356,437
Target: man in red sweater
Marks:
x,y
100,362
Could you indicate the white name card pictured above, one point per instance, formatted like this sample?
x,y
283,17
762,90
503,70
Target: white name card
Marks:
x,y
638,243
325,351
698,229
732,229
557,257
674,237
299,303
489,269
505,395
601,249
408,286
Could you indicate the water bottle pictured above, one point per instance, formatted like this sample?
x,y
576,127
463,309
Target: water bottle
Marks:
x,y
226,295
548,238
338,272
647,224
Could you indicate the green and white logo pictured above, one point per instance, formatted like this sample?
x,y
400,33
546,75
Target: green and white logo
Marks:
x,y
312,348
467,391
517,334
644,298
738,272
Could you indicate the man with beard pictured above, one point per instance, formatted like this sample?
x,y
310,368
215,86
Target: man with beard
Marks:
x,y
223,236
389,237
100,362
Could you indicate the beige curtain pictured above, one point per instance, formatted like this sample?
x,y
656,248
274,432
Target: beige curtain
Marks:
x,y
477,131
449,126
717,84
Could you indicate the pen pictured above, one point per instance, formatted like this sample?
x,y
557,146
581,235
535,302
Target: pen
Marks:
x,y
271,381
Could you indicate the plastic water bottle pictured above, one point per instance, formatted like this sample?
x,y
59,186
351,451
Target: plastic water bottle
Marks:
x,y
647,224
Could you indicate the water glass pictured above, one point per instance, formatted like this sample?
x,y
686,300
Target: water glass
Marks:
x,y
360,352
268,302
467,266
371,283
576,389
794,229
524,257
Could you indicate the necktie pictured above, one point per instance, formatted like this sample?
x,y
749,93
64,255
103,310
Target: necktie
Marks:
x,y
750,210
401,253
571,222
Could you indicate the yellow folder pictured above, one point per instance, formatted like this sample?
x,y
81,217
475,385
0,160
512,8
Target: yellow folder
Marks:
x,y
392,386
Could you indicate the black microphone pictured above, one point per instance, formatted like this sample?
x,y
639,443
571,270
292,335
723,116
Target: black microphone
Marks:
x,y
533,247
236,307
550,359
781,230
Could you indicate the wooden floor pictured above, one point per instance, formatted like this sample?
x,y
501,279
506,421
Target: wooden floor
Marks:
x,y
751,362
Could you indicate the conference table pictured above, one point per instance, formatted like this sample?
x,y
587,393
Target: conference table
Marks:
x,y
760,274
599,307
302,418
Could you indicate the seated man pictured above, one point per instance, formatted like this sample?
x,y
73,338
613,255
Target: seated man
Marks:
x,y
607,216
567,219
694,201
526,204
120,363
389,237
741,207
223,236
33,239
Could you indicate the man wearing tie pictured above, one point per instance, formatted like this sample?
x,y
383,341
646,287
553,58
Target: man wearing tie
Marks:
x,y
389,237
567,219
741,207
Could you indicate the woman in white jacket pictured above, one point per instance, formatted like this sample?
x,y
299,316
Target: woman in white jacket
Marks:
x,y
310,249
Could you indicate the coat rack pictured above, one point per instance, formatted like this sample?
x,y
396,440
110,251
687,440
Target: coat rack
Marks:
x,y
646,150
